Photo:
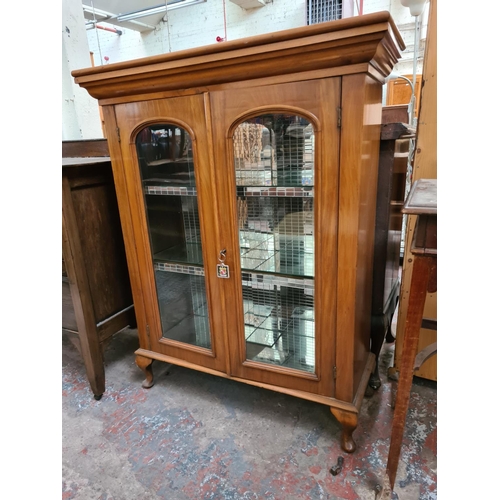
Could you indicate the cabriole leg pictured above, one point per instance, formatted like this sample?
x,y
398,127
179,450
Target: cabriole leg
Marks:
x,y
146,365
349,421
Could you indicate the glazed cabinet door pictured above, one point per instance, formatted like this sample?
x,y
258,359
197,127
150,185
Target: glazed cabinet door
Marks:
x,y
277,159
169,176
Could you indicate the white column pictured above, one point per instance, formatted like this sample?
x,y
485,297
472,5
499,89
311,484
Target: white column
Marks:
x,y
80,111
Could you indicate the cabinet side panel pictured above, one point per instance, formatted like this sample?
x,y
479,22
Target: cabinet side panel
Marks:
x,y
360,138
94,202
372,117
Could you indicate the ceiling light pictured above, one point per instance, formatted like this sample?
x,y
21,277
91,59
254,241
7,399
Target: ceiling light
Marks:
x,y
159,9
416,6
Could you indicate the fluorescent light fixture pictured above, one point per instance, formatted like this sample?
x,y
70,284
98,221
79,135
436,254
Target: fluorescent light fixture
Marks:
x,y
96,12
159,9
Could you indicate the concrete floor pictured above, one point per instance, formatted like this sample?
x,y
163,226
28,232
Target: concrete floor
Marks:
x,y
197,436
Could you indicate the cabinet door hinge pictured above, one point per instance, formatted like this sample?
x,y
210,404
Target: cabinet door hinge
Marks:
x,y
147,330
339,117
334,372
118,134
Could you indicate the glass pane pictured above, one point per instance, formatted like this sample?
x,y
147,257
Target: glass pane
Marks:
x,y
279,320
274,164
170,198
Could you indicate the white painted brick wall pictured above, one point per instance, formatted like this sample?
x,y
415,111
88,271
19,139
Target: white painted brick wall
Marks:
x,y
200,25
196,26
80,112
406,25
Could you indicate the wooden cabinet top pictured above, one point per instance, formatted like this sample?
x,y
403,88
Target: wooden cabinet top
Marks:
x,y
364,44
422,198
84,148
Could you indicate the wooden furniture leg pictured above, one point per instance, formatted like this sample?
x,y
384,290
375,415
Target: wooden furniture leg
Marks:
x,y
378,331
422,267
349,421
394,137
94,365
146,365
93,361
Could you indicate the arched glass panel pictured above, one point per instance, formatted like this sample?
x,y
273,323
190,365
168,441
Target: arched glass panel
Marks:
x,y
168,176
274,164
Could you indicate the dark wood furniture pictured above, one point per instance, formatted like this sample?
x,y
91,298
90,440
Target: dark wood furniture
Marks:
x,y
96,294
246,175
422,202
392,170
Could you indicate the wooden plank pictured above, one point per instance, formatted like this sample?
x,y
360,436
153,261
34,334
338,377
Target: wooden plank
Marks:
x,y
85,148
107,328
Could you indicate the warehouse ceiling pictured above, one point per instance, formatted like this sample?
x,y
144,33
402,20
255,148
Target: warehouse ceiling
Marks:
x,y
136,15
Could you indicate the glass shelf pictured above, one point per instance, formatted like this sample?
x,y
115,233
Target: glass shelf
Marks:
x,y
163,188
188,254
169,190
277,253
277,191
273,338
254,176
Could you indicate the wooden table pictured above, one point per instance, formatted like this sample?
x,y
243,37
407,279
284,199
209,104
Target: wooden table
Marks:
x,y
96,294
422,202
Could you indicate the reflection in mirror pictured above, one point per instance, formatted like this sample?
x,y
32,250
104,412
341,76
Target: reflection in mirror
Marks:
x,y
167,170
165,156
274,166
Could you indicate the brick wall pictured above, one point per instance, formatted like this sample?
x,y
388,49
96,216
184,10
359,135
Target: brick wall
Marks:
x,y
201,24
196,26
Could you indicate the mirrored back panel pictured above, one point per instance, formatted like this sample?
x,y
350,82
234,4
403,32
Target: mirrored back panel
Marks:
x,y
170,198
274,166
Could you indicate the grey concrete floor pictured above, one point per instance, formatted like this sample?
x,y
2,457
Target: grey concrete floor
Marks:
x,y
197,436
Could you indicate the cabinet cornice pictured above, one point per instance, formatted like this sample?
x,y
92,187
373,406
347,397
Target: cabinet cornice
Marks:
x,y
372,39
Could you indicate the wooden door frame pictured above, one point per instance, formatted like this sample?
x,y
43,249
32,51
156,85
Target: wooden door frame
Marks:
x,y
230,107
130,119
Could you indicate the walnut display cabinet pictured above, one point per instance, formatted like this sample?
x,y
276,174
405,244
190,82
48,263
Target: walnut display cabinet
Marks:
x,y
246,175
